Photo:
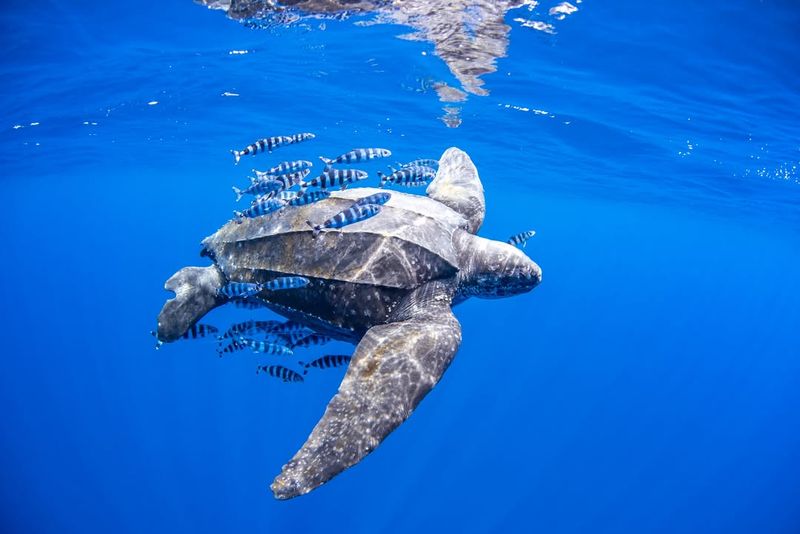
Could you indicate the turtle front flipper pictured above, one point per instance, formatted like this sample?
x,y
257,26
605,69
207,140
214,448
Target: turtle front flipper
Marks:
x,y
394,366
458,186
195,295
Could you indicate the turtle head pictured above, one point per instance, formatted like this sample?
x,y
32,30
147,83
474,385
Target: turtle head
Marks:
x,y
491,269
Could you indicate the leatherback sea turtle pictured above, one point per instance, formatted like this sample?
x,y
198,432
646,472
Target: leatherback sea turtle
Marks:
x,y
387,283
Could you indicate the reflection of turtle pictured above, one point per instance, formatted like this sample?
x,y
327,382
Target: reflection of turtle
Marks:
x,y
387,283
469,35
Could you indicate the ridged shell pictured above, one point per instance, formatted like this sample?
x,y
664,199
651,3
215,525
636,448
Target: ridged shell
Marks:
x,y
407,244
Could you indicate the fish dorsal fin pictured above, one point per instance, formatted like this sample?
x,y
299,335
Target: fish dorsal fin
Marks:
x,y
394,366
458,186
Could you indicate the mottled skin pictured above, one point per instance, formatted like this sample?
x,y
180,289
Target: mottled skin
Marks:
x,y
386,283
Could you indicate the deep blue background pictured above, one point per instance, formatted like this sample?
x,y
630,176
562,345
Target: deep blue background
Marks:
x,y
650,384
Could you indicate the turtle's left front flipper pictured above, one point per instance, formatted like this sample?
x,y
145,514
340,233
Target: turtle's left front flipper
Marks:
x,y
196,294
395,365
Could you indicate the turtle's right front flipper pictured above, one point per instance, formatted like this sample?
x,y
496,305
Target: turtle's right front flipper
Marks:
x,y
195,295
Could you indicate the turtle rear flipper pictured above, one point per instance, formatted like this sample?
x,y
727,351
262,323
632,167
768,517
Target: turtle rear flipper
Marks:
x,y
395,365
195,295
458,186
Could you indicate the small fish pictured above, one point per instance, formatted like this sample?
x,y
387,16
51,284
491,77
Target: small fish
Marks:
x,y
421,163
288,196
279,371
269,143
285,167
351,215
266,347
239,290
287,181
335,177
521,238
264,207
408,176
378,199
262,145
309,197
249,304
248,327
286,282
200,330
297,138
257,187
291,337
327,361
273,186
288,327
234,346
358,154
311,340
235,330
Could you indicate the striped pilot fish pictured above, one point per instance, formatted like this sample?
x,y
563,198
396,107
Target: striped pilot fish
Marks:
x,y
378,199
284,168
421,163
284,196
200,331
328,361
521,238
287,181
249,304
279,371
288,196
239,290
309,197
358,154
264,207
290,327
408,176
268,144
311,340
297,138
271,187
234,346
257,187
286,282
248,327
334,178
351,215
266,347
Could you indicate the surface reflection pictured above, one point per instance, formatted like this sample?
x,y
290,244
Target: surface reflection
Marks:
x,y
468,35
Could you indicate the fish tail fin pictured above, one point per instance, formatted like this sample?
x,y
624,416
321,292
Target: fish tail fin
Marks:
x,y
236,156
238,193
316,229
326,161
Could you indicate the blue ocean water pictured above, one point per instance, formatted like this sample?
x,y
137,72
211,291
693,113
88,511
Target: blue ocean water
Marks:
x,y
649,384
